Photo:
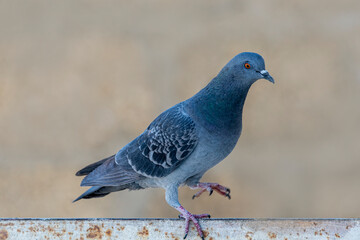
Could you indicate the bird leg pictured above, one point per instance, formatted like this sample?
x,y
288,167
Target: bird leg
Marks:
x,y
191,217
171,196
210,187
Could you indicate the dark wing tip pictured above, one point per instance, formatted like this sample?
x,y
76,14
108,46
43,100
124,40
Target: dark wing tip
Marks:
x,y
88,193
88,169
77,199
80,173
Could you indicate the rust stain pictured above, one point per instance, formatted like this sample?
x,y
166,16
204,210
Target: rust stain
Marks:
x,y
211,238
156,230
144,232
206,233
108,232
6,224
337,235
81,225
249,235
285,238
272,235
94,232
316,233
3,234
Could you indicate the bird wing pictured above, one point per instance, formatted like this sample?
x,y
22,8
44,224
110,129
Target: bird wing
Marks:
x,y
88,169
161,148
111,173
164,145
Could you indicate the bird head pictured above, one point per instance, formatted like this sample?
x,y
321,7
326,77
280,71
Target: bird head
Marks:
x,y
247,67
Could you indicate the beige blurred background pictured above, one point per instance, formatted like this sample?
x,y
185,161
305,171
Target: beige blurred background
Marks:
x,y
79,79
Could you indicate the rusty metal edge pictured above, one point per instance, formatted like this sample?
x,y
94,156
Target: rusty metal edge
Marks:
x,y
178,219
165,228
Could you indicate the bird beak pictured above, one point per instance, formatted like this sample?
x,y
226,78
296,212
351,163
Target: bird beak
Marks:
x,y
267,76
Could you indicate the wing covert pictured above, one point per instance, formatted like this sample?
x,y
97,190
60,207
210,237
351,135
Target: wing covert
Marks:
x,y
163,146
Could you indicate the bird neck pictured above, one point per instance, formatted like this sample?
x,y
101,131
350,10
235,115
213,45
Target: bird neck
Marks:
x,y
218,107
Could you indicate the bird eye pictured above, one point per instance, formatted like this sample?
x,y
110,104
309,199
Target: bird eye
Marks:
x,y
247,65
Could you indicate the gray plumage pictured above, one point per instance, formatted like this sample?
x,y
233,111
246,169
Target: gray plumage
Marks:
x,y
183,142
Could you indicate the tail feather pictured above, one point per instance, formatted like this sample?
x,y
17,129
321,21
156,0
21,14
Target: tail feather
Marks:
x,y
110,173
89,193
106,176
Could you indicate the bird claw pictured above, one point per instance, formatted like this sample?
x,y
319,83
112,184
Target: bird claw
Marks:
x,y
194,218
210,187
205,215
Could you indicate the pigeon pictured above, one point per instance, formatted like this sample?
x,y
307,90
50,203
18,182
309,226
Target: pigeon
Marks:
x,y
183,142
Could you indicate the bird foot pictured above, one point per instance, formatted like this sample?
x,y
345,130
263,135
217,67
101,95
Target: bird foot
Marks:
x,y
210,187
194,218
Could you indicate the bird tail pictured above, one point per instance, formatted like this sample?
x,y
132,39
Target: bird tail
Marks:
x,y
100,191
107,176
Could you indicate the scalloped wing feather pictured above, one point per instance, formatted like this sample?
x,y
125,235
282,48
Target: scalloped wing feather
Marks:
x,y
164,145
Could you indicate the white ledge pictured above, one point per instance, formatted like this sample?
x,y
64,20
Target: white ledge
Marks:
x,y
110,228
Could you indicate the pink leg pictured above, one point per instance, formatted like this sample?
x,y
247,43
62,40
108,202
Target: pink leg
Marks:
x,y
210,187
191,217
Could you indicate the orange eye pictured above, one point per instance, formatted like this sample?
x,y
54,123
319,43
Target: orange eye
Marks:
x,y
247,66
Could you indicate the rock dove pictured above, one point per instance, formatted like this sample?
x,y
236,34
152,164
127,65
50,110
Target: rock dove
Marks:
x,y
183,142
